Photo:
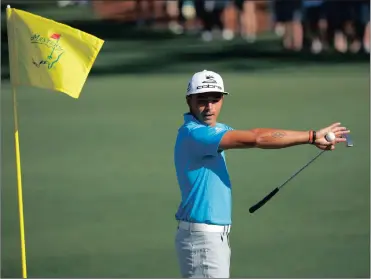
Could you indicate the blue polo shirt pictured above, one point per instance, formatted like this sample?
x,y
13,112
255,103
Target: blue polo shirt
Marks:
x,y
202,173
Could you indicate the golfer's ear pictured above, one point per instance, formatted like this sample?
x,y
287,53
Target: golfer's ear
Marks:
x,y
188,100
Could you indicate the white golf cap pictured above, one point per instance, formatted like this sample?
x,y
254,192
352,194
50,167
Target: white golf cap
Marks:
x,y
205,81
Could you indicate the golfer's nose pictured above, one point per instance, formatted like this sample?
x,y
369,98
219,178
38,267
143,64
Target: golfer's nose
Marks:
x,y
209,104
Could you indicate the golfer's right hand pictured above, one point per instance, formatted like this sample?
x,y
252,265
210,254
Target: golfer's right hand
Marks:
x,y
339,132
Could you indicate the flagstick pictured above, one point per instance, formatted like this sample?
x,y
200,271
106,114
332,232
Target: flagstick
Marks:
x,y
18,164
19,180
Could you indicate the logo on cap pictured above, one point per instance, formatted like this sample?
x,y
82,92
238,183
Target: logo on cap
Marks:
x,y
189,88
209,79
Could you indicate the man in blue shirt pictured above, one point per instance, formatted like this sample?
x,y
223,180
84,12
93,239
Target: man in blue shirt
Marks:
x,y
204,214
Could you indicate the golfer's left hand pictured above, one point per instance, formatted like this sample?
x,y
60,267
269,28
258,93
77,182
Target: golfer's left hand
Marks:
x,y
339,132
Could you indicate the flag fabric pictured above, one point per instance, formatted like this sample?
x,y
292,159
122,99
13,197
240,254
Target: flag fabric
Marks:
x,y
48,54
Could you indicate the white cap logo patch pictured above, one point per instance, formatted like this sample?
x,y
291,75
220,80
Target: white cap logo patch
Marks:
x,y
205,81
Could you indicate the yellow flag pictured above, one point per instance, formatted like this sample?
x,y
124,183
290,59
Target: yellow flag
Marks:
x,y
48,54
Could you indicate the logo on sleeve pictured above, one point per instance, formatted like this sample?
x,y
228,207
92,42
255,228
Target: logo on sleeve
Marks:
x,y
218,129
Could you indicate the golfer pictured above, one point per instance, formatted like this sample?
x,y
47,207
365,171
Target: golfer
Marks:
x,y
204,213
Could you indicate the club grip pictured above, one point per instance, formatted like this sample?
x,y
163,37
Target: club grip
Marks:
x,y
263,201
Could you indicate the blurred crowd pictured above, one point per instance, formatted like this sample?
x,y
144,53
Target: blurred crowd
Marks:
x,y
318,25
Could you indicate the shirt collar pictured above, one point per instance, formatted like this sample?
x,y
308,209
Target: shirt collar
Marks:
x,y
188,117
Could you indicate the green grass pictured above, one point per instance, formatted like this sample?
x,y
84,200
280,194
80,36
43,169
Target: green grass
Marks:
x,y
100,191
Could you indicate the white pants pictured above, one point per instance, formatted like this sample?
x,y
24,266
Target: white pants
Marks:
x,y
203,254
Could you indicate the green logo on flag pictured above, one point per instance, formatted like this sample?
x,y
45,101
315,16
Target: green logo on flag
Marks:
x,y
51,43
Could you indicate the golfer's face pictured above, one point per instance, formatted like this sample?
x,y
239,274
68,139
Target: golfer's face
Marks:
x,y
206,106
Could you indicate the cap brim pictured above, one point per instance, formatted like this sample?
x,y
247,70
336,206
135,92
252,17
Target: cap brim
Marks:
x,y
195,93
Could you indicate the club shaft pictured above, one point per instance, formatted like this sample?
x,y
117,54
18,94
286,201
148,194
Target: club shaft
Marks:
x,y
306,165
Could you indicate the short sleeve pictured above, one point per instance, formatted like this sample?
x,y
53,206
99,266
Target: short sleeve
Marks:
x,y
204,141
228,128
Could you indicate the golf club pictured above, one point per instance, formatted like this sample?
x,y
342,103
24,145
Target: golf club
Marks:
x,y
349,143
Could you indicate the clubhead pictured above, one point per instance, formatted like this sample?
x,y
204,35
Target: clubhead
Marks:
x,y
349,142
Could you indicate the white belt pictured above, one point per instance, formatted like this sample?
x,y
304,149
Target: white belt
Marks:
x,y
198,227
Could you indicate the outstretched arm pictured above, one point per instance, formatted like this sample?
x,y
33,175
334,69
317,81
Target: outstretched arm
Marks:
x,y
267,138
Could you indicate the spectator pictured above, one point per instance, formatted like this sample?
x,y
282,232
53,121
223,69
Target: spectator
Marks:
x,y
338,15
361,21
247,18
289,13
173,9
315,24
365,11
210,13
180,12
145,12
